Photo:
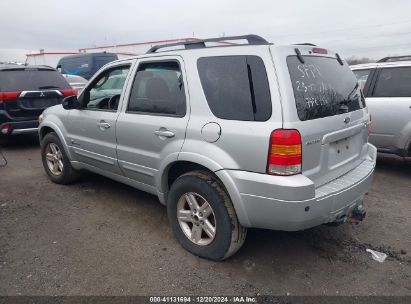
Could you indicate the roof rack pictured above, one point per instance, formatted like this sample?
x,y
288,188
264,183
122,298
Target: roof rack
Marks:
x,y
395,58
200,43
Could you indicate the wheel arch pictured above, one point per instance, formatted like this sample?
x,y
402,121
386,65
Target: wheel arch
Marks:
x,y
48,127
176,168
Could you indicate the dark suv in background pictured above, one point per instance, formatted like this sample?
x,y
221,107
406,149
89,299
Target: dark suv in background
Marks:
x,y
84,65
25,91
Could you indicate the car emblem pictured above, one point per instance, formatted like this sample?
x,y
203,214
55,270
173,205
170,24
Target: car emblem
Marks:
x,y
347,120
42,94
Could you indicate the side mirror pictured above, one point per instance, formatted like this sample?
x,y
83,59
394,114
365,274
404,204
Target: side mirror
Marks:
x,y
71,102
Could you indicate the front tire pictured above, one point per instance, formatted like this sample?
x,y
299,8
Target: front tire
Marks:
x,y
203,218
55,161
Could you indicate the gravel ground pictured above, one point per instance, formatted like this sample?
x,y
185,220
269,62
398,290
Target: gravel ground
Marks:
x,y
99,237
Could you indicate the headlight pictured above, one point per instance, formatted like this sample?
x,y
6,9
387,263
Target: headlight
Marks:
x,y
41,118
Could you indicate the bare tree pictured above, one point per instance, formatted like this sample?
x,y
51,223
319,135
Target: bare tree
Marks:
x,y
356,60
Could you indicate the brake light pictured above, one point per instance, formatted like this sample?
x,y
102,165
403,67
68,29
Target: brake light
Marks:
x,y
68,92
319,51
285,156
5,129
8,96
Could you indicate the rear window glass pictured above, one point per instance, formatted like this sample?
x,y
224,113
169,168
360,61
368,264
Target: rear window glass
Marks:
x,y
236,87
393,82
75,65
322,87
24,80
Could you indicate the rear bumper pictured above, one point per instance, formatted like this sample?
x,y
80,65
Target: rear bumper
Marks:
x,y
20,127
293,203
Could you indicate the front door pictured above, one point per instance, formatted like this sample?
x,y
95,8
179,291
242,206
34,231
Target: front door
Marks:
x,y
152,125
92,128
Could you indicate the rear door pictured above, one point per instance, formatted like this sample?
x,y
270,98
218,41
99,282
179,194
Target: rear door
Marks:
x,y
92,129
390,106
153,124
323,101
33,90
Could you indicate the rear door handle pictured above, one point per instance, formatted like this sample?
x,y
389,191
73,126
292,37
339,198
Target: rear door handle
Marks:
x,y
103,125
164,133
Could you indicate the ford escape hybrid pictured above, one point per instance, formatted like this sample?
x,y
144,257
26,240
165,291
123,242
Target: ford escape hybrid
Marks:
x,y
231,137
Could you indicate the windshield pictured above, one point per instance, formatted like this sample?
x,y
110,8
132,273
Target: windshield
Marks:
x,y
322,87
26,80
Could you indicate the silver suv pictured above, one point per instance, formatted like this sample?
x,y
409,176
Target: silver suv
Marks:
x,y
228,137
387,88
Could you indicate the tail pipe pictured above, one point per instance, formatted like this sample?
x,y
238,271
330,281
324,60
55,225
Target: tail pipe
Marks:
x,y
355,217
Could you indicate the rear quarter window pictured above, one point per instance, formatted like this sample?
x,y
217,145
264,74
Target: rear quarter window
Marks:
x,y
236,87
322,87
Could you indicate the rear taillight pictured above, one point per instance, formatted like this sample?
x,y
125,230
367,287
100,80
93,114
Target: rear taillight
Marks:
x,y
68,92
5,129
284,156
8,96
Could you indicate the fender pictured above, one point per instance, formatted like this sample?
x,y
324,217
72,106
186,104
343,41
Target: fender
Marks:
x,y
162,183
57,130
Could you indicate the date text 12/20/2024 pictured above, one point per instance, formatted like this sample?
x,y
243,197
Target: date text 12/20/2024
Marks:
x,y
203,299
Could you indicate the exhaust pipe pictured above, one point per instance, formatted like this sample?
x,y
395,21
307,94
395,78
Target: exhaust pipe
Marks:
x,y
355,217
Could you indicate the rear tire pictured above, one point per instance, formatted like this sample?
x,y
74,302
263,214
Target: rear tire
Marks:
x,y
197,201
55,161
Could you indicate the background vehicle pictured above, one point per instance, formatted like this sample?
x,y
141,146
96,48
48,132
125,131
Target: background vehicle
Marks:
x,y
84,65
387,88
252,135
76,82
25,91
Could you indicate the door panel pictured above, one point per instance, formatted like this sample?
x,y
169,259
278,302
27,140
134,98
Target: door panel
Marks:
x,y
153,124
90,142
141,149
389,105
389,117
92,129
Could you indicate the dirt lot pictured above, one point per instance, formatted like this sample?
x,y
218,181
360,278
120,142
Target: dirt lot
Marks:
x,y
99,237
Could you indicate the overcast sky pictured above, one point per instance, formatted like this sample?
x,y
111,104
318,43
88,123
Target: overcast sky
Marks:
x,y
373,28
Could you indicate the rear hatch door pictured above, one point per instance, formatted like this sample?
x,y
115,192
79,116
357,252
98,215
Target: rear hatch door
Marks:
x,y
35,89
322,100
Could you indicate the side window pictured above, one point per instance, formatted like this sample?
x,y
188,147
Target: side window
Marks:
x,y
104,93
393,82
362,76
236,87
158,88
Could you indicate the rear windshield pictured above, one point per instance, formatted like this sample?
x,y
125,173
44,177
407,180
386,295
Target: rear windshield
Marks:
x,y
322,87
75,65
24,80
